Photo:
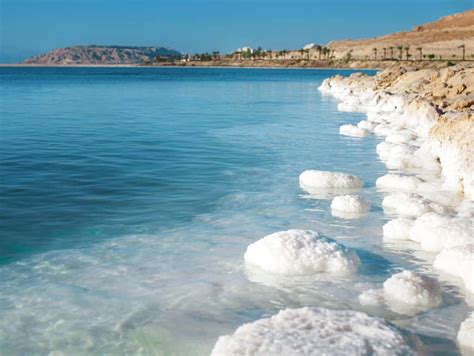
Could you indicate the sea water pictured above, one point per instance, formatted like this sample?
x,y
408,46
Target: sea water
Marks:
x,y
129,197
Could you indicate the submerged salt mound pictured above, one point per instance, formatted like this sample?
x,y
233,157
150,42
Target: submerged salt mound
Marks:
x,y
300,252
329,180
354,131
398,182
398,229
436,232
315,331
458,261
466,334
350,204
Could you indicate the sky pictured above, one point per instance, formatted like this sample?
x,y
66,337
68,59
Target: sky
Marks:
x,y
30,27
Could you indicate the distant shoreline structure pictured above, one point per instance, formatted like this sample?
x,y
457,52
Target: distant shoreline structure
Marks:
x,y
449,39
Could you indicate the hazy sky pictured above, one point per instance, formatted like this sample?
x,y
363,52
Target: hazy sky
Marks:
x,y
31,26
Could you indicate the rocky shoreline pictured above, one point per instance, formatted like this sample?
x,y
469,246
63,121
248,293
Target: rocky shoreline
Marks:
x,y
426,118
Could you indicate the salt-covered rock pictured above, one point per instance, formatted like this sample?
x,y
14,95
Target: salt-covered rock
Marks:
x,y
466,335
400,137
350,204
300,252
354,131
315,331
458,261
412,288
398,182
329,180
398,229
367,125
406,204
406,293
436,232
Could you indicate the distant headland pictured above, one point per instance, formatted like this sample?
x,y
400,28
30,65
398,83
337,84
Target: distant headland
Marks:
x,y
447,40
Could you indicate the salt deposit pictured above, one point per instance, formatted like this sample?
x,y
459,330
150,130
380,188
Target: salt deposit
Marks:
x,y
435,232
406,292
354,131
367,125
300,252
458,261
398,182
412,288
350,204
315,331
329,180
466,335
398,229
406,204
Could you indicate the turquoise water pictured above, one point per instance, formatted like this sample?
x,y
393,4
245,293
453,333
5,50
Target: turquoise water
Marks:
x,y
129,196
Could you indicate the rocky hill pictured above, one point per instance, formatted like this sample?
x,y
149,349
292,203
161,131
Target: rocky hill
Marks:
x,y
447,38
97,55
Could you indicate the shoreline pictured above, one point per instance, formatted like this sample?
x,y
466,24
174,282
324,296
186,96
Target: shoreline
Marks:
x,y
428,148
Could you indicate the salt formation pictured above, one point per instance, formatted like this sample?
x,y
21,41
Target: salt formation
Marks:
x,y
398,182
300,252
367,125
352,204
412,288
354,131
458,261
435,232
398,229
329,180
406,204
315,331
427,123
406,292
466,334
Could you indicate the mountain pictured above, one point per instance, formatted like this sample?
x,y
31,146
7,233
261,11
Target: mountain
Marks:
x,y
442,38
90,55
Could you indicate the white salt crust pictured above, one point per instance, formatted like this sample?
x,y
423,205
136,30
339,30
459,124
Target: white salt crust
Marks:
x,y
458,261
300,252
466,335
350,204
315,331
354,131
398,229
405,119
412,288
436,232
367,125
329,180
406,204
406,292
398,182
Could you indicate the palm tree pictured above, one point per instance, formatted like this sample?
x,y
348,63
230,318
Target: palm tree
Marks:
x,y
384,53
375,53
463,47
407,48
400,48
391,52
420,50
320,50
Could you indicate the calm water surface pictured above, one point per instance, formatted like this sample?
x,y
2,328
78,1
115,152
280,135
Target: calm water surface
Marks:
x,y
129,195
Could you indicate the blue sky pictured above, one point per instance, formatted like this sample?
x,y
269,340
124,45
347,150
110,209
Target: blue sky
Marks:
x,y
32,26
